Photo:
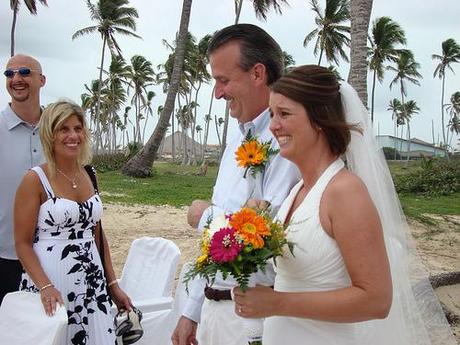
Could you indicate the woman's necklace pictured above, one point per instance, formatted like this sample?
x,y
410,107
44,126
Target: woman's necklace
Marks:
x,y
73,181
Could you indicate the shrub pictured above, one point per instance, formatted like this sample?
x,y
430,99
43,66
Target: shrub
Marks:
x,y
389,153
109,162
434,177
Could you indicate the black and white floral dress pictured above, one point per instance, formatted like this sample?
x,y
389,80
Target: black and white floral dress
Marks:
x,y
64,243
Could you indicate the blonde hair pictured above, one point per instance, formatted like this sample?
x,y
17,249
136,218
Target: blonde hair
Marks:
x,y
51,120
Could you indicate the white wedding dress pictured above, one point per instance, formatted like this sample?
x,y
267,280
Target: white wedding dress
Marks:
x,y
317,265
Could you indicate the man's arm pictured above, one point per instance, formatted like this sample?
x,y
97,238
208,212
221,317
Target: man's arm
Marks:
x,y
195,212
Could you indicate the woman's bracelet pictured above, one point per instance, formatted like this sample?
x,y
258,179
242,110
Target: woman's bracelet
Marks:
x,y
113,282
44,287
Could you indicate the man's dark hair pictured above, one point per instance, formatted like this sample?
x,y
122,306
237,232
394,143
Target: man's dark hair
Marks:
x,y
256,46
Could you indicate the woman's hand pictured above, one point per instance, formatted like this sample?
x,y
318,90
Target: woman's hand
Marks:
x,y
120,298
50,296
256,302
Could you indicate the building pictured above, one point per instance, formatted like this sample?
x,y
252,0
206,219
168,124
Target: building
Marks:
x,y
418,147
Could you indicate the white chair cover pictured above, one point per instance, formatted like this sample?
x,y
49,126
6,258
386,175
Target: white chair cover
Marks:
x,y
150,268
23,321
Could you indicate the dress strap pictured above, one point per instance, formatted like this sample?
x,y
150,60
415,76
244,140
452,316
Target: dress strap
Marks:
x,y
44,180
316,193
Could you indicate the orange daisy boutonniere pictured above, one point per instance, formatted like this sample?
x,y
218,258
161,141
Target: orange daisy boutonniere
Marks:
x,y
253,155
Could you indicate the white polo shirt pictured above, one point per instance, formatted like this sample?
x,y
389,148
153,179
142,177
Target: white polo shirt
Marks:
x,y
20,150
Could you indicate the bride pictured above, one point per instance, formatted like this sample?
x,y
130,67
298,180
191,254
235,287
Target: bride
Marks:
x,y
347,281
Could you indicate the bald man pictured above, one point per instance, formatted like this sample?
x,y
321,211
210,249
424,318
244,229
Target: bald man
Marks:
x,y
20,150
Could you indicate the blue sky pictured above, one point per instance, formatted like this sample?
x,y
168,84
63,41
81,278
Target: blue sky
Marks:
x,y
69,64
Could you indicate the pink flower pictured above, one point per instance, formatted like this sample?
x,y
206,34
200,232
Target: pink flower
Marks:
x,y
224,246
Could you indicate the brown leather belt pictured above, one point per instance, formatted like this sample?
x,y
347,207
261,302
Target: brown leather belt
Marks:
x,y
217,295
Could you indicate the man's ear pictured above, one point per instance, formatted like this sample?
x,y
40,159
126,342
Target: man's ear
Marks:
x,y
42,80
260,73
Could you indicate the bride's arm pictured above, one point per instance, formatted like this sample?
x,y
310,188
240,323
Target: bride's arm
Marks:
x,y
347,214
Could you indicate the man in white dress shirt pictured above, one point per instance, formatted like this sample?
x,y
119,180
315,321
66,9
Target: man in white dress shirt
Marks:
x,y
20,149
245,61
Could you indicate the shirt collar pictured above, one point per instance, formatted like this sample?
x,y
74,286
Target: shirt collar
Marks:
x,y
255,125
12,120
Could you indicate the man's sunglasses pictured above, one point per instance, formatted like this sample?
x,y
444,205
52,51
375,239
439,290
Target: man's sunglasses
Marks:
x,y
23,72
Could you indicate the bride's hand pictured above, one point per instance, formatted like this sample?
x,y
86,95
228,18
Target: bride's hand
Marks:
x,y
255,302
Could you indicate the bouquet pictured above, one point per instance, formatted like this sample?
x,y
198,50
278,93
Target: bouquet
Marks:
x,y
253,155
238,245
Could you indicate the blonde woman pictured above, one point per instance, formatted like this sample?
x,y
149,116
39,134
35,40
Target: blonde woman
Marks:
x,y
56,227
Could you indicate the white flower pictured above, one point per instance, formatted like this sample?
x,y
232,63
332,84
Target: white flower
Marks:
x,y
216,224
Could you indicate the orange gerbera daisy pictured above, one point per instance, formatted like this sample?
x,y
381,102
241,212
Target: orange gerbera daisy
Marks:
x,y
250,153
250,226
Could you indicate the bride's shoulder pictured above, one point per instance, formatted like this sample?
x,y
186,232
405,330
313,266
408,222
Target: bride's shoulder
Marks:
x,y
345,185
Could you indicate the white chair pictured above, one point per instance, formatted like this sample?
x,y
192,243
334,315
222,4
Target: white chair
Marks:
x,y
149,271
23,321
158,326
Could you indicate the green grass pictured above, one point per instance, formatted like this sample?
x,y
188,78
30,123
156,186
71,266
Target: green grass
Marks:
x,y
415,206
171,184
177,185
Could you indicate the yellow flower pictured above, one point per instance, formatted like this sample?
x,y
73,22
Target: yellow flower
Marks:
x,y
250,153
204,245
250,226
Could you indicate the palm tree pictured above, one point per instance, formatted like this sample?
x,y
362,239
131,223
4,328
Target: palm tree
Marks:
x,y
386,33
289,61
140,75
360,17
406,71
331,33
141,164
409,109
261,8
450,55
112,16
395,107
14,5
148,110
453,109
199,129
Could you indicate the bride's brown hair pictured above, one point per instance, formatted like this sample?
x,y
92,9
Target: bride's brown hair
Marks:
x,y
318,90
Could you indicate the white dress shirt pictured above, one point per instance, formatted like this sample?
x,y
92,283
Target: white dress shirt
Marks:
x,y
231,192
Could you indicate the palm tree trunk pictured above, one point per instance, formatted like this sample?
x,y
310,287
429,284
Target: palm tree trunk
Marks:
x,y
360,17
224,132
141,164
408,143
217,131
373,97
238,6
396,136
442,110
207,124
13,25
98,102
227,108
173,138
320,56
